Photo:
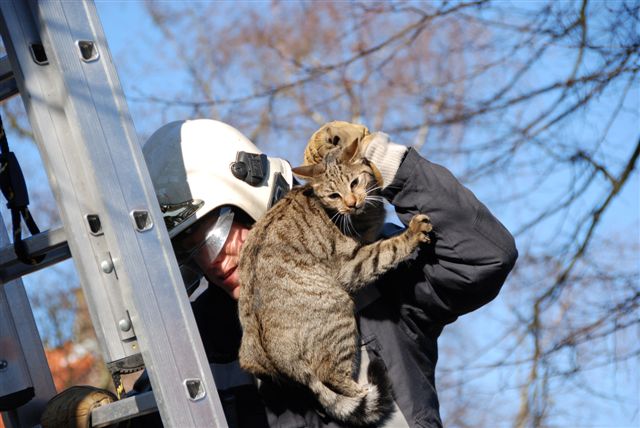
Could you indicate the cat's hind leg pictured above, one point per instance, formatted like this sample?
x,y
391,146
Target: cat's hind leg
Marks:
x,y
335,370
344,384
253,358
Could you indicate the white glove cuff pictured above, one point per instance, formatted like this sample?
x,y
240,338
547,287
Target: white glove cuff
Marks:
x,y
385,155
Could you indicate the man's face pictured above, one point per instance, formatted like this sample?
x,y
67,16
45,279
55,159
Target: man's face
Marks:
x,y
221,271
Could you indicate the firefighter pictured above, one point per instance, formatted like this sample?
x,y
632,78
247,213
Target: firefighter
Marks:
x,y
205,171
213,183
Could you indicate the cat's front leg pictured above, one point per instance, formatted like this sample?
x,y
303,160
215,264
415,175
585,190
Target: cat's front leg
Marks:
x,y
418,230
372,260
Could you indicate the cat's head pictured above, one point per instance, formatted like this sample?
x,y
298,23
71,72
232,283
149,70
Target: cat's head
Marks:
x,y
344,181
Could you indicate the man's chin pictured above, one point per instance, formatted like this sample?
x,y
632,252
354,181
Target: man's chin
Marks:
x,y
235,293
232,289
231,285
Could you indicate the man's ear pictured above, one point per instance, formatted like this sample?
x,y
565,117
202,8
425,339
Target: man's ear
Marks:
x,y
350,152
307,172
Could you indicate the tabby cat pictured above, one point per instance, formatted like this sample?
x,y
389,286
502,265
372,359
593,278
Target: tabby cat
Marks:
x,y
299,267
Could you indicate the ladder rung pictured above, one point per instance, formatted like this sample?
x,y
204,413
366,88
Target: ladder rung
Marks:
x,y
8,86
51,243
124,409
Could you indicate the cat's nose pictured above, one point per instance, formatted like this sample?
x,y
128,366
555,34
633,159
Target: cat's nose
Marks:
x,y
350,201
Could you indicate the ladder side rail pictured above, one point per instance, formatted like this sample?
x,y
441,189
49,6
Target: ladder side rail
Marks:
x,y
42,92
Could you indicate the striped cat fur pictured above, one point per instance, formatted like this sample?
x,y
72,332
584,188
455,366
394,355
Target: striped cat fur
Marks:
x,y
299,268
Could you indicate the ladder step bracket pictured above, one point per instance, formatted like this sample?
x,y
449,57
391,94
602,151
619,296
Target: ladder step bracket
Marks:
x,y
8,85
124,409
51,243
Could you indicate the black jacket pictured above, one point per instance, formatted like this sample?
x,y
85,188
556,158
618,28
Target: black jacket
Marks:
x,y
402,314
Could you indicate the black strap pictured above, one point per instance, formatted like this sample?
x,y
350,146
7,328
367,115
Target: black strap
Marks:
x,y
14,190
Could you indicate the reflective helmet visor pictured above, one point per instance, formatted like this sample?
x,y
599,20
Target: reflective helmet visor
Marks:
x,y
194,261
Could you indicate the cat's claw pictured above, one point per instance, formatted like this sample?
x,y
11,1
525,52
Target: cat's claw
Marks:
x,y
420,226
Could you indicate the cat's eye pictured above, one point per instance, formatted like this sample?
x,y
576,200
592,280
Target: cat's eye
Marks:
x,y
355,182
334,196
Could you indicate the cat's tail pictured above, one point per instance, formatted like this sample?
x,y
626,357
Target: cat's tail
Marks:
x,y
371,408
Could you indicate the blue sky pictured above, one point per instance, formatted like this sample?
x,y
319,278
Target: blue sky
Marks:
x,y
130,34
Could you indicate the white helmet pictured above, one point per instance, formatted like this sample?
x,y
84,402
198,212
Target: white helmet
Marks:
x,y
199,165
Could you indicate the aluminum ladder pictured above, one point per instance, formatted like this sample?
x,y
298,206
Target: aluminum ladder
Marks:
x,y
59,62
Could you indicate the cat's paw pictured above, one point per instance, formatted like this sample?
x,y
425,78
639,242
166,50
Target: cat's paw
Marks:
x,y
419,227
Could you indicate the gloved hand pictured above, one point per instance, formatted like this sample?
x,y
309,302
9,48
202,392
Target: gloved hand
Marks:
x,y
384,154
330,135
72,407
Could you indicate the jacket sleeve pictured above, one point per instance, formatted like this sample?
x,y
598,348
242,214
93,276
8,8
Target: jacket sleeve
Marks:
x,y
472,253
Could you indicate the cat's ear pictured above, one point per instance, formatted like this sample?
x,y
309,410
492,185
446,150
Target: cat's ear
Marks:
x,y
350,152
307,172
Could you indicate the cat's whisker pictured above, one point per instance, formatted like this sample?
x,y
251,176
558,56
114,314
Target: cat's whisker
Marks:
x,y
342,224
372,189
373,200
346,224
347,230
355,231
